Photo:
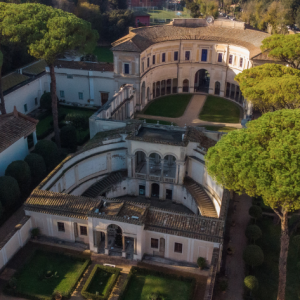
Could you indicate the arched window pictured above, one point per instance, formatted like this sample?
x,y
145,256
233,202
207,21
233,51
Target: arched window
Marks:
x,y
185,87
169,83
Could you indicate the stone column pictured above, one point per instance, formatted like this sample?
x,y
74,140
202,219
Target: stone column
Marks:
x,y
181,172
34,138
106,250
124,246
148,166
176,174
162,168
129,166
134,245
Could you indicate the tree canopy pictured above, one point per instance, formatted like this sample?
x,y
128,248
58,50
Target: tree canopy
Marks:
x,y
284,47
271,86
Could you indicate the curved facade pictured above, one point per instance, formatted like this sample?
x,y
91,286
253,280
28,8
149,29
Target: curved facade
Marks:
x,y
186,56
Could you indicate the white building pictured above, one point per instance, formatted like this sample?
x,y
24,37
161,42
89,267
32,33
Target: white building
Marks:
x,y
14,131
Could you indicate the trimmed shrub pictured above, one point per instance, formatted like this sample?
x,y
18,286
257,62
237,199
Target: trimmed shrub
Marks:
x,y
80,122
20,170
98,268
37,167
253,255
68,137
49,151
46,101
251,283
255,212
9,191
253,233
201,262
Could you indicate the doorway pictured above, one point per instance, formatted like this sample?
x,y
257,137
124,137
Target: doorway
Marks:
x,y
104,98
169,194
155,190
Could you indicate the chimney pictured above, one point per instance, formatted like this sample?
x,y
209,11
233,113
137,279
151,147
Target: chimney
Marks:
x,y
15,112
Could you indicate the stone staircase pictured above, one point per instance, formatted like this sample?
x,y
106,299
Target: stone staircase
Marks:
x,y
205,204
103,185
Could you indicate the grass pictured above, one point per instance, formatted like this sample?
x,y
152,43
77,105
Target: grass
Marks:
x,y
267,273
172,106
31,280
104,54
220,128
141,286
44,126
100,282
160,122
218,109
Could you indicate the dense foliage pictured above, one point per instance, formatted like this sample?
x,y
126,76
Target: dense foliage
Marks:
x,y
37,167
20,170
9,191
251,283
253,255
253,233
68,137
45,101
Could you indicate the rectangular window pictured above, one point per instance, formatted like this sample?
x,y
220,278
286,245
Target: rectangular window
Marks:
x,y
178,248
62,94
153,59
36,101
154,243
148,62
142,190
187,55
126,68
25,107
230,59
176,55
163,57
220,57
61,226
241,62
80,96
143,66
70,76
83,230
204,55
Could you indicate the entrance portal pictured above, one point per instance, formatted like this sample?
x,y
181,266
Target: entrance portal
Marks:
x,y
115,243
202,79
155,190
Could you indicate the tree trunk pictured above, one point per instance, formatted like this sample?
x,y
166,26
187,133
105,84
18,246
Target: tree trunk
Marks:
x,y
284,247
2,103
54,105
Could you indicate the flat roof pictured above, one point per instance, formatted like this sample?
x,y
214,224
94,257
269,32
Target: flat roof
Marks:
x,y
160,134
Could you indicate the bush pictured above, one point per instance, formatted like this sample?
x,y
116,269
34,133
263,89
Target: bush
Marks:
x,y
201,262
253,232
35,232
49,151
9,191
80,122
255,212
20,170
253,255
37,167
97,268
68,137
251,283
46,101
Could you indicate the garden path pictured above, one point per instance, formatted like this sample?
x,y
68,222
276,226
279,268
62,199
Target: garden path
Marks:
x,y
191,114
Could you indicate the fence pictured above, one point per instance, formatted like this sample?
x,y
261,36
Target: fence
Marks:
x,y
15,240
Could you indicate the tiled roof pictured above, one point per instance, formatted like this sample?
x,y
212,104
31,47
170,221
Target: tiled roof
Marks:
x,y
143,37
81,65
12,80
36,68
195,134
14,126
60,204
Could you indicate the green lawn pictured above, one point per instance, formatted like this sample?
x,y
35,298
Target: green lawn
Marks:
x,y
220,128
104,54
64,275
218,109
160,122
267,273
141,286
44,127
100,282
172,106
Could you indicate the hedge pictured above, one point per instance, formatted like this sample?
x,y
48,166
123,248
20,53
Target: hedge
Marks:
x,y
37,167
49,151
145,271
8,290
68,137
87,295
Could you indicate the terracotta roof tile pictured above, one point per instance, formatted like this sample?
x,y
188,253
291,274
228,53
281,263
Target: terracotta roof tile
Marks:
x,y
14,126
81,65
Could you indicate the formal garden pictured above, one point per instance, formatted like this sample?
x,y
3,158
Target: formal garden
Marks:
x,y
100,282
144,284
172,106
47,275
218,109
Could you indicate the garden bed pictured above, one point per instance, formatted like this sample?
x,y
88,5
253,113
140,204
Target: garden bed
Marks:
x,y
142,283
172,106
218,109
45,273
100,282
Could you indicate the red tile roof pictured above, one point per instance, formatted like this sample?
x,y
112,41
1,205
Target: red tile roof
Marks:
x,y
81,65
